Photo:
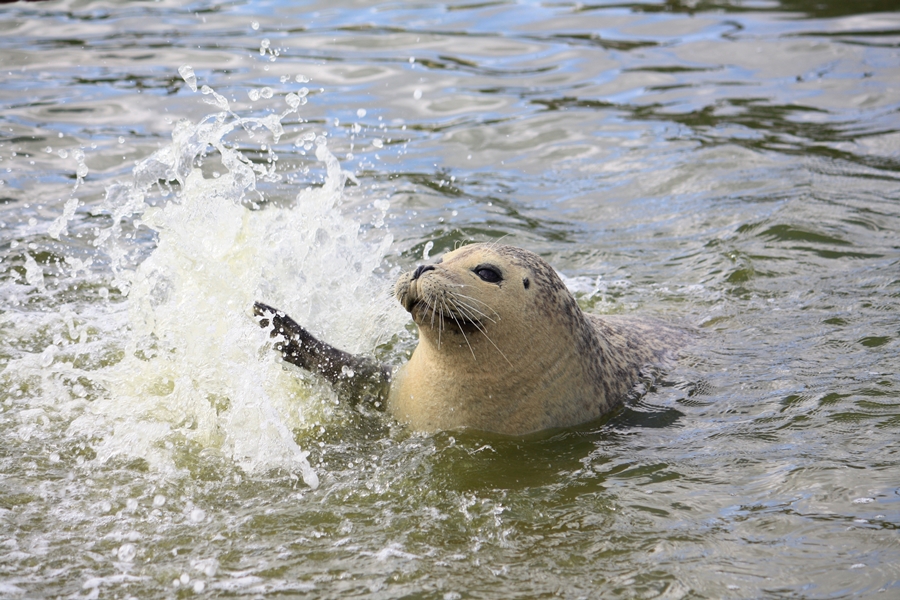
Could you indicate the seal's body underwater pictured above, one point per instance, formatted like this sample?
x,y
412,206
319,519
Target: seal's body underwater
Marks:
x,y
503,347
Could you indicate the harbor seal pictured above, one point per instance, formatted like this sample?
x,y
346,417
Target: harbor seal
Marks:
x,y
503,347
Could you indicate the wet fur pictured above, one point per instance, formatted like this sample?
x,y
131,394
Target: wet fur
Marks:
x,y
356,378
513,357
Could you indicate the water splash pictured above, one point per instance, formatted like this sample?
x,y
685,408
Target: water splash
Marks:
x,y
187,73
180,362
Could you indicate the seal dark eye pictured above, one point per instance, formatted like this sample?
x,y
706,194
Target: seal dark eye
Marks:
x,y
489,274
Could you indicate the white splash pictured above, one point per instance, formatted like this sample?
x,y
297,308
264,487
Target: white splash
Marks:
x,y
187,73
196,368
34,274
60,225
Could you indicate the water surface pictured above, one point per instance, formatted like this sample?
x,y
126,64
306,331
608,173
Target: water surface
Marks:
x,y
729,164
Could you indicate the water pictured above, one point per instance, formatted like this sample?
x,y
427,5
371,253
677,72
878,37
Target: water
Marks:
x,y
734,165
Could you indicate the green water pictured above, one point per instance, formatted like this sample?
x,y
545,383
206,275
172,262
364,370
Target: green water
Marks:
x,y
729,164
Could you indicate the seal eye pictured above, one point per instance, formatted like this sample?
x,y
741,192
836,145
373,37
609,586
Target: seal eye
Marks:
x,y
489,274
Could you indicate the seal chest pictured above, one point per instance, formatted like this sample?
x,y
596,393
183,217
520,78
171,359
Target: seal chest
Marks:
x,y
503,347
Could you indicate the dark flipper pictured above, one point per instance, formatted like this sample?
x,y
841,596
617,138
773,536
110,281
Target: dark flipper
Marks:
x,y
354,377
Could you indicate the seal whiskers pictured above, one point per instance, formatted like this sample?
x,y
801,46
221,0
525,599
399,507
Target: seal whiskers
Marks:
x,y
472,308
460,327
466,311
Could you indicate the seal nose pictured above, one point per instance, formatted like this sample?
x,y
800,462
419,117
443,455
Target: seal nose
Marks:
x,y
421,269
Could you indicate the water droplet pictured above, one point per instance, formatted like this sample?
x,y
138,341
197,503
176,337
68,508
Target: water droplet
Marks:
x,y
82,170
159,500
207,566
198,515
254,95
266,92
48,354
187,73
412,59
254,25
863,500
427,250
347,372
34,275
121,140
293,100
126,552
361,113
199,586
48,150
184,579
62,153
263,46
417,94
378,143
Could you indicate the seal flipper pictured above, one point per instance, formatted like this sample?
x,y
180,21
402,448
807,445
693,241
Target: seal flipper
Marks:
x,y
354,377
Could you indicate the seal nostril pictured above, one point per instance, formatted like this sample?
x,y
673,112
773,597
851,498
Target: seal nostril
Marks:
x,y
421,269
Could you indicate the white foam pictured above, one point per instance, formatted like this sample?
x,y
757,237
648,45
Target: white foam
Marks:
x,y
182,361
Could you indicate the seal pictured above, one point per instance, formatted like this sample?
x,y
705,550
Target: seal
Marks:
x,y
503,347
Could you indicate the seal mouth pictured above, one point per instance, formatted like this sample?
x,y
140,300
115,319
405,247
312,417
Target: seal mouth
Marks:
x,y
444,319
440,306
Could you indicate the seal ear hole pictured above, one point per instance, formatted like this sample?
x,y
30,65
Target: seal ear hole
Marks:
x,y
488,273
526,282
